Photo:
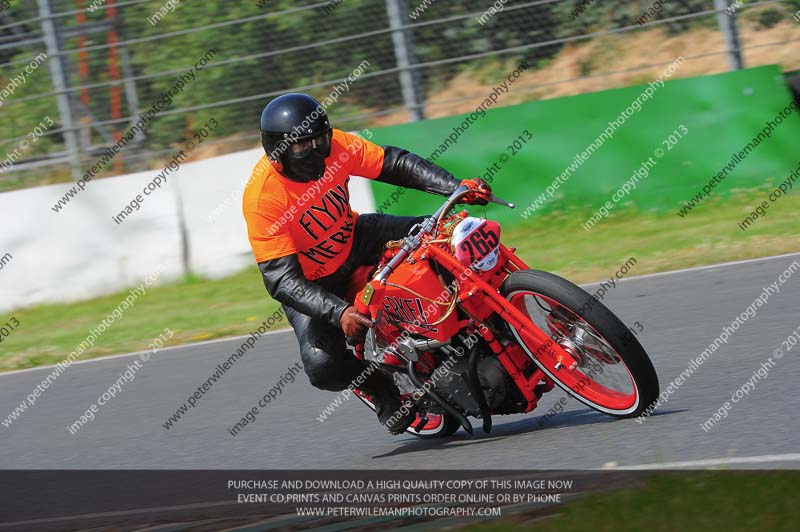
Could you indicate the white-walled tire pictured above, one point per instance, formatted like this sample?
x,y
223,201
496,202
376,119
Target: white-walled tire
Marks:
x,y
601,343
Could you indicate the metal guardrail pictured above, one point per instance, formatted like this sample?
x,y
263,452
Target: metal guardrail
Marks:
x,y
97,80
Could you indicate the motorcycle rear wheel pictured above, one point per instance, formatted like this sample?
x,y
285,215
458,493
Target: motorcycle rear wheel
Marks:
x,y
438,426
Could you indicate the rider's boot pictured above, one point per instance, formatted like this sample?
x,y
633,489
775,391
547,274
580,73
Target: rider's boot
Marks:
x,y
393,413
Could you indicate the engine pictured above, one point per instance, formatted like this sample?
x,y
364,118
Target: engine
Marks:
x,y
451,380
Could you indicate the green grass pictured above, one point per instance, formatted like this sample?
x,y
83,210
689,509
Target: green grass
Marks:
x,y
194,310
727,501
659,241
198,309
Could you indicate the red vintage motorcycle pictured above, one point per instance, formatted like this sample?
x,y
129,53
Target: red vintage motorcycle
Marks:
x,y
468,330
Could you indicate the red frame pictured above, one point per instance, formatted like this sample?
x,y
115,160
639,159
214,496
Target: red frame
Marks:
x,y
479,298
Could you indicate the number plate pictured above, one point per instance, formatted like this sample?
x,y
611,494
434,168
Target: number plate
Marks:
x,y
476,242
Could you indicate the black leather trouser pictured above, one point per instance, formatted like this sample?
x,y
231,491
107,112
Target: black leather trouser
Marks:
x,y
326,359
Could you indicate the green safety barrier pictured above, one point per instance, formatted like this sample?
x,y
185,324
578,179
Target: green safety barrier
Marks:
x,y
719,114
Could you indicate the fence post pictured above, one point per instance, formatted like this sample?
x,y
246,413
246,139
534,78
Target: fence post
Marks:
x,y
730,32
183,229
413,95
60,85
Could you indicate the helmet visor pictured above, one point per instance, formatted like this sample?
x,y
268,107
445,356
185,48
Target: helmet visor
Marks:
x,y
301,148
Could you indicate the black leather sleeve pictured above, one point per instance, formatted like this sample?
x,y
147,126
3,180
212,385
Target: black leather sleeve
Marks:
x,y
405,169
286,283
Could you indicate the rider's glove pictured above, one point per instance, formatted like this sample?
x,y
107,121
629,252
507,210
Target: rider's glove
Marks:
x,y
354,324
480,191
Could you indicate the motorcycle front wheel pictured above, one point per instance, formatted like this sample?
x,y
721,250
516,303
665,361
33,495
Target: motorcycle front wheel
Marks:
x,y
612,372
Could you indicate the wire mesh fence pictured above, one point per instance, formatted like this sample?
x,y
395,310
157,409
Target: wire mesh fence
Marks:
x,y
78,75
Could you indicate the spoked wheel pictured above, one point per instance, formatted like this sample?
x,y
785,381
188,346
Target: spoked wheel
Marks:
x,y
612,372
439,425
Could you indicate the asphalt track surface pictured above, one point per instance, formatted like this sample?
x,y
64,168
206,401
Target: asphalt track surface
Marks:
x,y
682,312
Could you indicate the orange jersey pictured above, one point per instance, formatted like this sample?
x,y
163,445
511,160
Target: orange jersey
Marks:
x,y
313,220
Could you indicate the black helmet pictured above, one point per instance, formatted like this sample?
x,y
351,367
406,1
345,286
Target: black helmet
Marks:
x,y
296,133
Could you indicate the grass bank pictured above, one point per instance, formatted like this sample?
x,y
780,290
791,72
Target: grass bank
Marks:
x,y
727,501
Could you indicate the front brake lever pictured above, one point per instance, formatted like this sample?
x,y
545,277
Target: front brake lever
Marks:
x,y
500,201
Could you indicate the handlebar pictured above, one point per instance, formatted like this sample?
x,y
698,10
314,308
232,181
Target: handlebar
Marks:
x,y
427,226
399,257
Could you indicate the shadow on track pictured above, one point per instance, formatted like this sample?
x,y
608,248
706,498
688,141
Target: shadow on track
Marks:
x,y
572,418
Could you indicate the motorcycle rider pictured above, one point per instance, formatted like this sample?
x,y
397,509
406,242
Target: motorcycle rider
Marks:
x,y
307,240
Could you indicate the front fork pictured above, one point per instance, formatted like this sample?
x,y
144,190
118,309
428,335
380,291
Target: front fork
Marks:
x,y
528,377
